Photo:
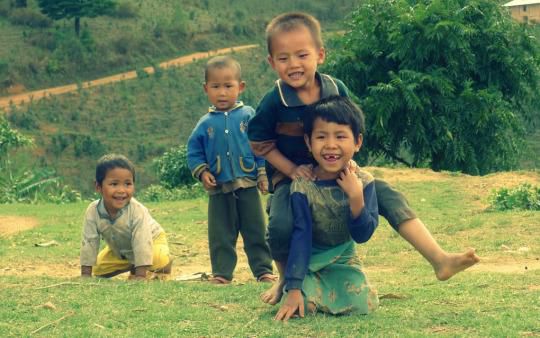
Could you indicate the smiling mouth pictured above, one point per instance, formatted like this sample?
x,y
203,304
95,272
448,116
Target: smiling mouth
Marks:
x,y
331,157
296,75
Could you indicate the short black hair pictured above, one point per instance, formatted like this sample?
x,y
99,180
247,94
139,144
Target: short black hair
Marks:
x,y
110,162
337,109
219,62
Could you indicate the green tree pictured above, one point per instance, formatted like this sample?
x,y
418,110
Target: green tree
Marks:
x,y
77,9
452,82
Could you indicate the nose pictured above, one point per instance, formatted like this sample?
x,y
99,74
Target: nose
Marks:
x,y
294,61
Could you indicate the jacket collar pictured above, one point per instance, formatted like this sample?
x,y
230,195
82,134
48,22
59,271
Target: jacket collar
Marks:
x,y
212,109
290,98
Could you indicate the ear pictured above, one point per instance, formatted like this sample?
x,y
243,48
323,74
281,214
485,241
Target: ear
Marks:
x,y
241,87
271,62
358,143
97,186
321,55
308,141
205,86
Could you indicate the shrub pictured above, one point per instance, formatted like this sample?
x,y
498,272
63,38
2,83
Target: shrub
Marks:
x,y
159,193
125,10
172,168
522,197
29,17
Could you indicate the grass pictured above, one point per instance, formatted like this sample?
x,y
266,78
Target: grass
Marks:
x,y
500,297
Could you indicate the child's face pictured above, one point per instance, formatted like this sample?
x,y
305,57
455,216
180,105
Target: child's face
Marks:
x,y
295,57
223,87
116,189
333,146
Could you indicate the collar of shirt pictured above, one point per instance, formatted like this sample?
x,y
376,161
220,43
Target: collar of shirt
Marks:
x,y
103,213
213,109
290,98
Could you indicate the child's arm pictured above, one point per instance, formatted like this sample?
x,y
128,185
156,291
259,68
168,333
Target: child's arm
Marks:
x,y
90,242
196,152
142,241
299,256
363,204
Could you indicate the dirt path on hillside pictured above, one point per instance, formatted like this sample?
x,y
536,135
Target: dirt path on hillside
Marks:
x,y
22,98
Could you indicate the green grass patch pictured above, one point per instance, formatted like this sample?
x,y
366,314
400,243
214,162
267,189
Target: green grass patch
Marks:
x,y
499,297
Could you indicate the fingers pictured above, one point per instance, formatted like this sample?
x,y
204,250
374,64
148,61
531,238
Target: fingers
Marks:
x,y
284,313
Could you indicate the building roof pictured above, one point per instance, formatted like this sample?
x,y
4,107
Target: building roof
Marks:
x,y
521,3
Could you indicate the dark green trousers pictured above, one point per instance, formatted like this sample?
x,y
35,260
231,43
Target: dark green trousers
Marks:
x,y
238,212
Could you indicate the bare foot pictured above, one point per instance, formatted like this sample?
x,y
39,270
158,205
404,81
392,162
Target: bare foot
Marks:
x,y
454,263
273,295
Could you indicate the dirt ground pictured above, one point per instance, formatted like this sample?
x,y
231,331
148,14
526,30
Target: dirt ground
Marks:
x,y
514,261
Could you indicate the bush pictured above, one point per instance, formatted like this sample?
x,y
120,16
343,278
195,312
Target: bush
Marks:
x,y
29,17
158,193
172,168
125,10
522,197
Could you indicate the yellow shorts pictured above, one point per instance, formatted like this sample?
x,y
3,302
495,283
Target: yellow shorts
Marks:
x,y
108,262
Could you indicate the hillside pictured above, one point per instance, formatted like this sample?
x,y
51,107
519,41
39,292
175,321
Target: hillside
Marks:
x,y
140,118
44,53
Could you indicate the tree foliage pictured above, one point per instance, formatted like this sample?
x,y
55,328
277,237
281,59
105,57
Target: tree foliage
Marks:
x,y
76,9
450,81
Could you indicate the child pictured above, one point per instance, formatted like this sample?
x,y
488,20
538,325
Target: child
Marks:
x,y
341,206
135,241
220,157
295,50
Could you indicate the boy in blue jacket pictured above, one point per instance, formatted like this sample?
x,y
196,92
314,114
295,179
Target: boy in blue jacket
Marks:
x,y
219,155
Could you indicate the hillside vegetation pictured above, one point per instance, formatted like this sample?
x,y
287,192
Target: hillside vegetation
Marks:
x,y
140,118
44,53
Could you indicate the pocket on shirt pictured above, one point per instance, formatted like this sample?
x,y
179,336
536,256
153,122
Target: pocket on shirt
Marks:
x,y
247,164
215,167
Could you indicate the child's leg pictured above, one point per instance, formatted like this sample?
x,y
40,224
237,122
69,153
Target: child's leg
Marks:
x,y
161,262
109,265
280,225
394,207
252,227
445,264
222,234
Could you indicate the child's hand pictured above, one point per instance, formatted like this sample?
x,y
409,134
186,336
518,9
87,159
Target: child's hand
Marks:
x,y
352,165
86,271
262,184
349,182
305,171
293,302
208,180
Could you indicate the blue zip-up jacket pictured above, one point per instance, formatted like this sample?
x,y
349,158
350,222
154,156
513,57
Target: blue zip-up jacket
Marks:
x,y
219,143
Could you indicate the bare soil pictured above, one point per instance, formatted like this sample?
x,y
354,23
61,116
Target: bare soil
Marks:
x,y
12,224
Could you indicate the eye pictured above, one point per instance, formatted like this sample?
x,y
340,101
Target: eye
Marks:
x,y
303,55
282,58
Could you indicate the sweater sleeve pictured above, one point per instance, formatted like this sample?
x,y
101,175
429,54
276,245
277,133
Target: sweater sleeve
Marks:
x,y
301,241
141,239
196,155
261,129
90,238
363,226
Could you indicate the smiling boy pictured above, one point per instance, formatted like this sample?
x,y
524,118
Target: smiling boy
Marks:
x,y
295,50
135,241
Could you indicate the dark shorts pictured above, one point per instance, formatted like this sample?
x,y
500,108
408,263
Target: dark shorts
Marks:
x,y
393,206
